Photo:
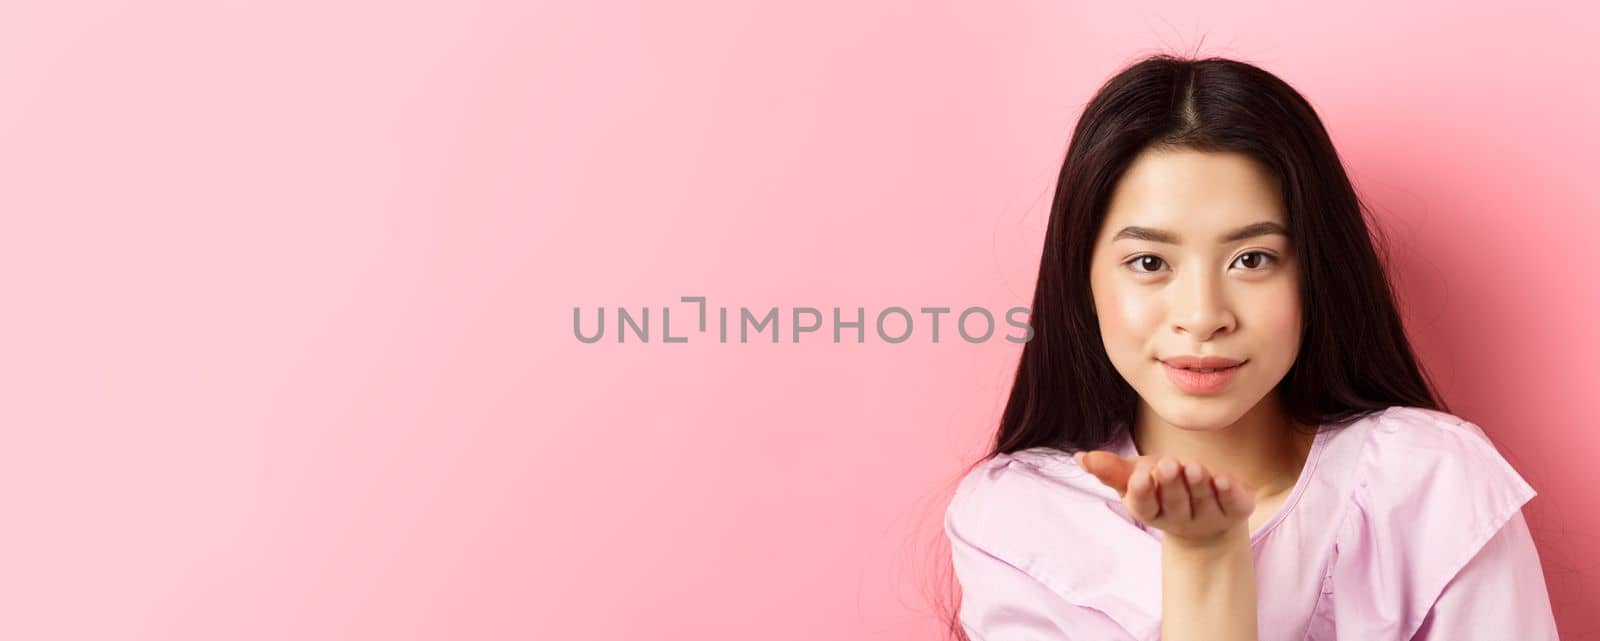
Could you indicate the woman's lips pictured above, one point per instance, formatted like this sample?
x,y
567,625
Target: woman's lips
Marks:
x,y
1197,382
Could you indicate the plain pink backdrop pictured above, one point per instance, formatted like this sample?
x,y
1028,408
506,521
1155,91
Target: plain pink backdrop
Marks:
x,y
288,293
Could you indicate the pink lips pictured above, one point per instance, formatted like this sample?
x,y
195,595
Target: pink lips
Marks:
x,y
1197,382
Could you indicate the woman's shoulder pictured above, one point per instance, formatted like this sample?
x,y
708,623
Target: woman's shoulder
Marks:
x,y
1025,481
1041,491
1429,489
1409,451
1407,426
1036,510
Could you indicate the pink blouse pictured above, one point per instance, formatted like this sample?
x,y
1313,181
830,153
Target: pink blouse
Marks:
x,y
1405,525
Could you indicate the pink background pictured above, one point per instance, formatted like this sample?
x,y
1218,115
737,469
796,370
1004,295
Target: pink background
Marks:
x,y
289,287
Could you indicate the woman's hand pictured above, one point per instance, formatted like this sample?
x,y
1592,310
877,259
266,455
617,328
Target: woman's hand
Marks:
x,y
1185,501
1208,586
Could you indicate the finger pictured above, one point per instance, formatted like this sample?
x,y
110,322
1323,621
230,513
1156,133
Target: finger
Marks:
x,y
1111,469
1141,496
1174,489
1202,497
1234,497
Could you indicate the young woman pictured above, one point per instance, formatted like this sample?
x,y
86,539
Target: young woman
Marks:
x,y
1219,430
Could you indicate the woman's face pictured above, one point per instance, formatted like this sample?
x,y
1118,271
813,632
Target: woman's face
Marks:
x,y
1194,260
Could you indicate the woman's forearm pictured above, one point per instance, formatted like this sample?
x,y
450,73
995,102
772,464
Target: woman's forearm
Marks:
x,y
1208,589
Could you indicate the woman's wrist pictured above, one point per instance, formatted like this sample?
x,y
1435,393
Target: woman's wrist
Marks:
x,y
1219,546
1208,587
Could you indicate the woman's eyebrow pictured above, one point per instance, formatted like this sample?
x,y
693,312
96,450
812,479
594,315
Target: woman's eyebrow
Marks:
x,y
1163,236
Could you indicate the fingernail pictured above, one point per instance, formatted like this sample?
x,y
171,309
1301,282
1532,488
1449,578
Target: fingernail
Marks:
x,y
1222,484
1169,469
1193,472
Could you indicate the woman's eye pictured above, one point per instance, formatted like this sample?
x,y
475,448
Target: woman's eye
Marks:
x,y
1144,261
1251,261
1263,257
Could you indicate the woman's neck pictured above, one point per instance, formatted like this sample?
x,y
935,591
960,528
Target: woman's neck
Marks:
x,y
1259,448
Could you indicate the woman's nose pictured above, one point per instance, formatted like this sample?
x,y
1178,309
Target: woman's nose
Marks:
x,y
1201,308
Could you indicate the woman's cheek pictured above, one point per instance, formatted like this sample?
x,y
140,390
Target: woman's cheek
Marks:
x,y
1279,320
1125,323
1133,313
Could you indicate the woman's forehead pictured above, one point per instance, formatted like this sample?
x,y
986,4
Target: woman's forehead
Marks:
x,y
1198,195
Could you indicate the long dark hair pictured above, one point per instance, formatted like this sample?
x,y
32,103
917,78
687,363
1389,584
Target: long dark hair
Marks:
x,y
1354,357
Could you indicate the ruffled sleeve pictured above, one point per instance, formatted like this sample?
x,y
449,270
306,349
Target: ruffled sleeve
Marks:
x,y
1500,594
1434,527
1000,600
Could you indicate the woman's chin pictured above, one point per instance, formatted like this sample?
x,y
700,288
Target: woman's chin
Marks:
x,y
1202,413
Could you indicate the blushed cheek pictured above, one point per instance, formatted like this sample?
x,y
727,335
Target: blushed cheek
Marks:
x,y
1125,318
1281,319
